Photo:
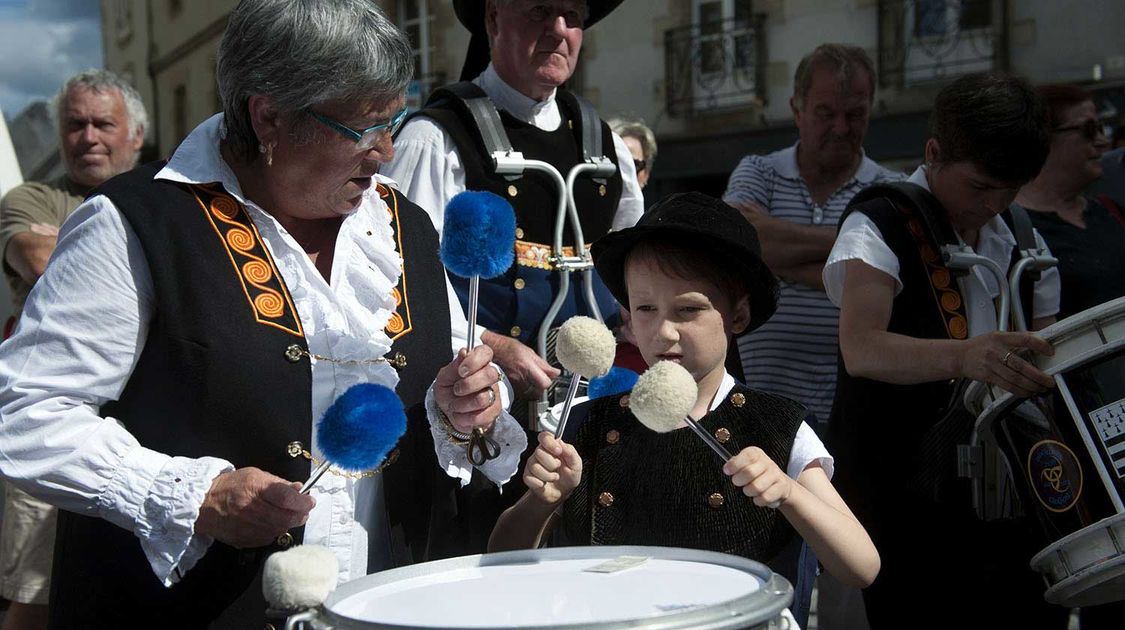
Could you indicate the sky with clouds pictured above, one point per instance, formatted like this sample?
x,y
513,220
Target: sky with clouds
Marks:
x,y
42,42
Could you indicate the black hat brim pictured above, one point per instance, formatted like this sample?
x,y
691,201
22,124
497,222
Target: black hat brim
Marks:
x,y
471,13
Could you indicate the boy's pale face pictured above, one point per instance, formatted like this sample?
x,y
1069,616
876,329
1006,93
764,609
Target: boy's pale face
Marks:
x,y
686,321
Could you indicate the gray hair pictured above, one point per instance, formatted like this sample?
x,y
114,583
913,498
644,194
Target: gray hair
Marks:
x,y
303,52
636,128
843,59
100,81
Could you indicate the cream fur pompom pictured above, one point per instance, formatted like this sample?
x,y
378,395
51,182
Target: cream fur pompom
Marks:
x,y
300,577
663,396
585,346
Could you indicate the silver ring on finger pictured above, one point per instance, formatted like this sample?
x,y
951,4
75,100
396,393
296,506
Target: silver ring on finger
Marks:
x,y
1007,357
499,376
491,396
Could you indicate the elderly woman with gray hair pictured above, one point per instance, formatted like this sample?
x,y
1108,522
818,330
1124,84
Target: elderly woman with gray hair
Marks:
x,y
199,315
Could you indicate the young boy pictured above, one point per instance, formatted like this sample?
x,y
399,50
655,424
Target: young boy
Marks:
x,y
690,276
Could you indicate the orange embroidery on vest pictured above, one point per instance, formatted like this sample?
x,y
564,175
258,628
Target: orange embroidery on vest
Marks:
x,y
400,322
263,286
946,294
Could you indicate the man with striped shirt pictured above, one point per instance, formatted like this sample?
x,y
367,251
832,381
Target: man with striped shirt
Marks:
x,y
794,197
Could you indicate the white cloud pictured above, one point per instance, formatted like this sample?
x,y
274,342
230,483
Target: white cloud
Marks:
x,y
43,43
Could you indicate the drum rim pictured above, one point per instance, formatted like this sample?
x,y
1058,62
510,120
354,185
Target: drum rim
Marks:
x,y
1064,327
1074,583
750,610
1002,400
1069,590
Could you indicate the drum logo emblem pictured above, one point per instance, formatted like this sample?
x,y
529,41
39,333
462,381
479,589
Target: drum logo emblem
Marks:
x,y
1055,475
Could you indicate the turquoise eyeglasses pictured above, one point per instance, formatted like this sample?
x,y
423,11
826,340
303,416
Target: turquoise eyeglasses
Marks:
x,y
365,139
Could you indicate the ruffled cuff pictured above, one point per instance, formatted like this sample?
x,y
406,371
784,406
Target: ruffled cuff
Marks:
x,y
166,527
454,458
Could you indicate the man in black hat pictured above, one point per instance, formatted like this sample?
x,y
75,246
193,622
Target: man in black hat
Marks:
x,y
534,48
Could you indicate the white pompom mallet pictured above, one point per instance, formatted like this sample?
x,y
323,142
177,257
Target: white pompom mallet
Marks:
x,y
586,348
663,398
300,577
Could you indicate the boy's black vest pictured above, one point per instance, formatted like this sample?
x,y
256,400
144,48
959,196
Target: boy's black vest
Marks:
x,y
876,427
222,374
640,487
515,302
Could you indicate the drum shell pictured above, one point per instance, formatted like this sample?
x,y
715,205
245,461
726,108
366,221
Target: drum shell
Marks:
x,y
1060,505
761,609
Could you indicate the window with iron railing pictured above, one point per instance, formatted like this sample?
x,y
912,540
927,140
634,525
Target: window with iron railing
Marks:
x,y
718,62
923,41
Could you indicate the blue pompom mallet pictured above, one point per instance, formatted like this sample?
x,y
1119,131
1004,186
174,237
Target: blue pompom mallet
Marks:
x,y
619,380
478,240
358,430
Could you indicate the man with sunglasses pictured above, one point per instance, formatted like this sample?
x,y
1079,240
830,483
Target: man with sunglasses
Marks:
x,y
534,47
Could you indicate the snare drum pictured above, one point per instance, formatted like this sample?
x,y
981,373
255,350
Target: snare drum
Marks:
x,y
562,588
1065,451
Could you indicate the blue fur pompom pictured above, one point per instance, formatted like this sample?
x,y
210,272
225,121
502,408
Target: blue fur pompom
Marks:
x,y
478,236
361,427
618,380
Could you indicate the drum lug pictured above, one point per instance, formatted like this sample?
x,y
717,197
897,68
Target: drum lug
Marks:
x,y
299,620
970,461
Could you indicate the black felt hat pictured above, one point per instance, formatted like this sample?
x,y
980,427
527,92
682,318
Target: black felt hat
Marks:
x,y
701,221
471,15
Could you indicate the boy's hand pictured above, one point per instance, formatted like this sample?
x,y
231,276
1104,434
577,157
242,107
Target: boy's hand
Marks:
x,y
553,471
759,477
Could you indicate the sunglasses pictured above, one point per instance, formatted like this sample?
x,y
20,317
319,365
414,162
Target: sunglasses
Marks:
x,y
1089,128
639,165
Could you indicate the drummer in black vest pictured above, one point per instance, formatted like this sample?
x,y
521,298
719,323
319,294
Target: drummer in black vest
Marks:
x,y
440,152
910,328
198,316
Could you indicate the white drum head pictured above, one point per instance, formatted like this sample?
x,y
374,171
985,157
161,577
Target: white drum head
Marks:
x,y
555,588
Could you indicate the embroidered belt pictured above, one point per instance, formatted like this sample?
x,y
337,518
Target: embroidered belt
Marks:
x,y
538,255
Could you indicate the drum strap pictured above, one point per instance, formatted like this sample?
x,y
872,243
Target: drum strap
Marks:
x,y
1019,222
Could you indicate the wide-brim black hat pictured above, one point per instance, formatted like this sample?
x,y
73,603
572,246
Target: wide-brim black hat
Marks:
x,y
699,221
471,15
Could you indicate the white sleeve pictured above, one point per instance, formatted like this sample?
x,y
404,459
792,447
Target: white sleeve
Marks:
x,y
632,203
426,167
1048,290
454,459
77,343
508,432
859,239
807,448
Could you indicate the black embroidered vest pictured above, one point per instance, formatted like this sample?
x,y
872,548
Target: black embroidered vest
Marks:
x,y
220,374
876,427
515,302
640,487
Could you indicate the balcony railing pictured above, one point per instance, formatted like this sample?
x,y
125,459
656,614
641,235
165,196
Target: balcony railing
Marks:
x,y
923,41
715,66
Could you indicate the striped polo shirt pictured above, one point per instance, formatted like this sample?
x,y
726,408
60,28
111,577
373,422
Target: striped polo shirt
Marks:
x,y
794,353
